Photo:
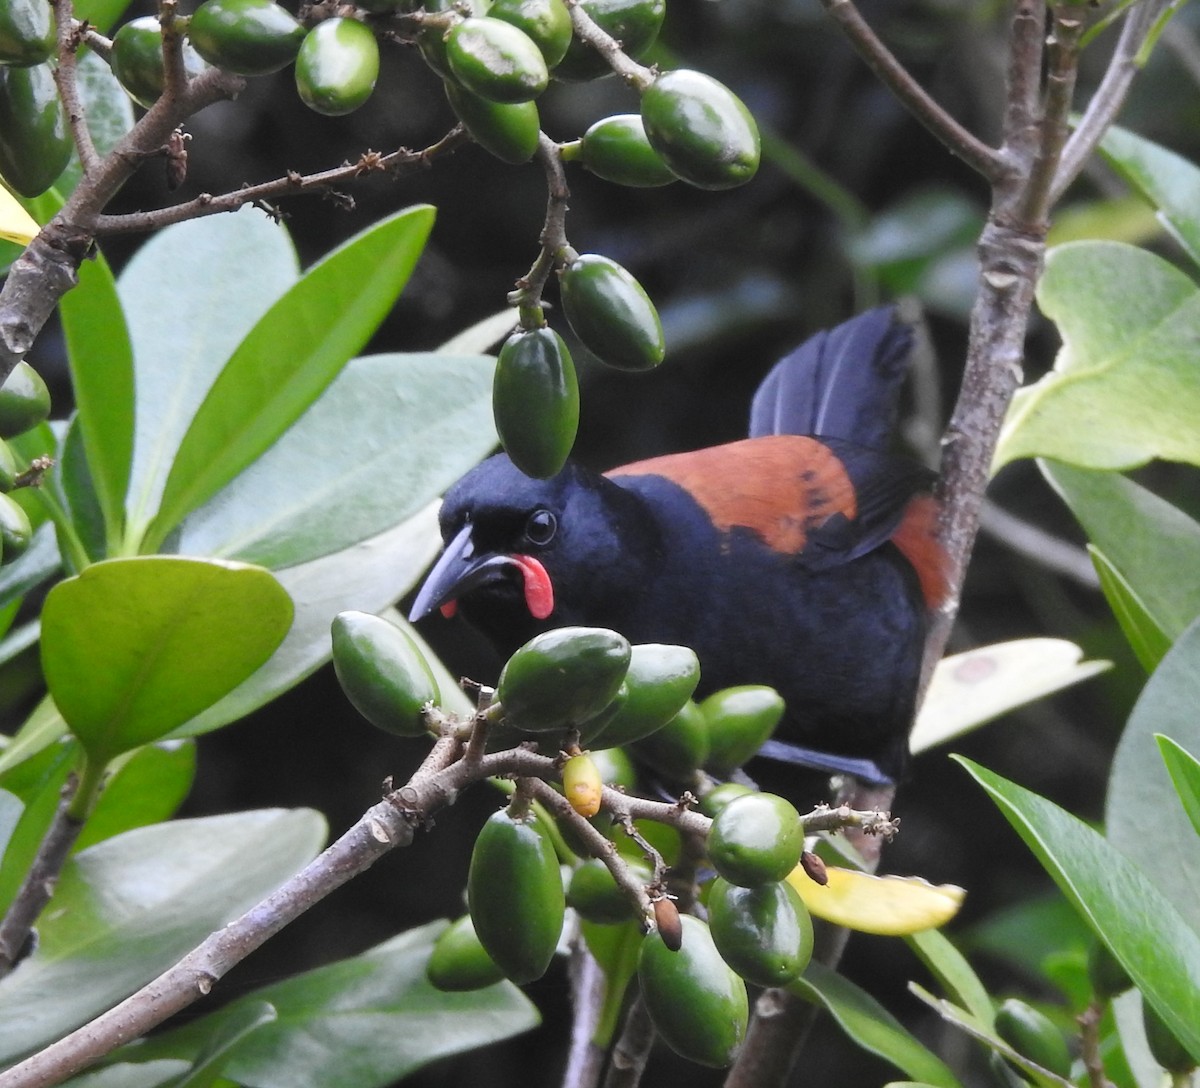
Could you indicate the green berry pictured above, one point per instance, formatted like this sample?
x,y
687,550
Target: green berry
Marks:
x,y
35,143
496,60
24,401
594,894
697,1002
1164,1044
383,673
137,59
659,682
702,130
679,747
337,66
459,962
248,37
507,130
15,530
611,313
27,33
755,839
535,401
547,22
739,720
562,678
764,933
515,895
1033,1035
634,23
617,150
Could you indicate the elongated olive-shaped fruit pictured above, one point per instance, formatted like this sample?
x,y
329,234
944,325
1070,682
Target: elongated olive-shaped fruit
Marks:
x,y
535,401
756,839
697,1002
594,893
702,130
137,59
611,313
739,720
35,143
1033,1035
1105,972
719,796
546,22
337,66
9,468
634,23
617,150
248,37
496,60
27,33
459,962
679,747
582,785
508,130
660,680
1164,1044
562,677
515,895
15,530
24,401
763,933
383,673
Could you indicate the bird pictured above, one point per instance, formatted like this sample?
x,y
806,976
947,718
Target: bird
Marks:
x,y
804,557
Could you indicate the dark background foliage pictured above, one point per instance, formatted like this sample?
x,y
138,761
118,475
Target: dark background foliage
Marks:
x,y
739,277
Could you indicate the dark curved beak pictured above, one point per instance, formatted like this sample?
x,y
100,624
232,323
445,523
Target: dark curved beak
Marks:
x,y
458,571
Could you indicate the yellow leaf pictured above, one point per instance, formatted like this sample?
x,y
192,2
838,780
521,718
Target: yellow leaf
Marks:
x,y
893,906
16,224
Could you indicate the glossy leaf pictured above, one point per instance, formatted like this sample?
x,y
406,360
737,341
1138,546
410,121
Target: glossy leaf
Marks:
x,y
288,359
1142,928
1146,638
133,648
233,265
1166,706
1152,545
871,1026
952,970
1123,389
180,881
131,1075
367,577
101,361
364,1022
391,433
218,1048
1184,770
1166,180
972,688
79,496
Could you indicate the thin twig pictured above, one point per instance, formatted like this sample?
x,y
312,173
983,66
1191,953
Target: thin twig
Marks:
x,y
587,30
1110,96
553,239
973,151
1089,1048
65,78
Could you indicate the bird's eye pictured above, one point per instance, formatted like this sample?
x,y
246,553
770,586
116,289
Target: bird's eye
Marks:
x,y
541,527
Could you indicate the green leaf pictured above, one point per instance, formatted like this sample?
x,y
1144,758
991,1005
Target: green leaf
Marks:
x,y
950,967
1123,389
1166,180
367,577
235,266
1139,924
11,808
133,648
615,949
128,908
972,688
144,787
484,334
364,1022
42,728
101,363
214,1055
1147,639
1029,933
87,539
106,106
871,1026
1152,545
1141,815
130,1075
288,359
102,14
1184,770
391,433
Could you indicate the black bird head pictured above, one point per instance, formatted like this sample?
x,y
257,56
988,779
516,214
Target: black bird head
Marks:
x,y
525,555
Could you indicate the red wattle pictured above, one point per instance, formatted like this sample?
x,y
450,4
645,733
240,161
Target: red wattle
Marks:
x,y
539,592
448,609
